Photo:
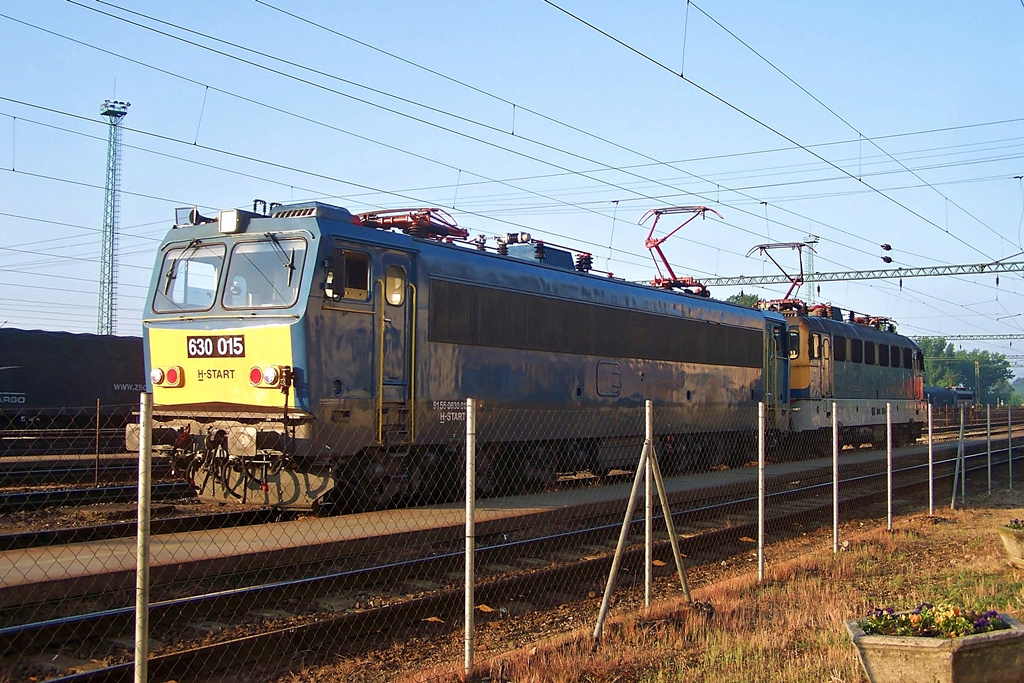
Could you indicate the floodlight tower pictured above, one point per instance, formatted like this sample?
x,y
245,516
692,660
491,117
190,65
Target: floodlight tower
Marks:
x,y
114,111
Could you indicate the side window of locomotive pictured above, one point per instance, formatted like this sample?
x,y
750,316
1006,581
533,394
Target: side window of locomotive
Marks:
x,y
825,347
188,278
814,346
394,285
895,356
869,353
794,344
883,355
856,351
908,359
919,358
357,275
780,342
839,348
265,274
348,276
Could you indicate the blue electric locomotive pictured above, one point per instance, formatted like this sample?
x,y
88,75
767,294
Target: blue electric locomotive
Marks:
x,y
311,357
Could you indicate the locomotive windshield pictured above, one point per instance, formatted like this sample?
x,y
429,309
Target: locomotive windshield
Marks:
x,y
188,278
265,274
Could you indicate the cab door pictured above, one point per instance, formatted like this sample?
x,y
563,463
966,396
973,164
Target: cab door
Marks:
x,y
826,366
774,368
394,319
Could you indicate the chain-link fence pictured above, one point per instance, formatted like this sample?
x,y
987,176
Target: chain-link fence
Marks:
x,y
279,544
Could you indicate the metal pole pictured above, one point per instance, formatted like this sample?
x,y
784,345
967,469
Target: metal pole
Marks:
x,y
888,462
470,529
761,426
666,510
142,540
606,601
963,461
931,464
96,469
1009,442
835,479
988,444
958,473
649,507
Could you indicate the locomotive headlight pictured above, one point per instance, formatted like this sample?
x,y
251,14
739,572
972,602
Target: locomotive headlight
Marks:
x,y
156,376
272,376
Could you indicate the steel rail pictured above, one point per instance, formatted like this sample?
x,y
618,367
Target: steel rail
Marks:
x,y
20,501
165,525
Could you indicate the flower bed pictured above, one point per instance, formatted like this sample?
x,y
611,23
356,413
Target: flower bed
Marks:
x,y
1012,536
943,643
927,621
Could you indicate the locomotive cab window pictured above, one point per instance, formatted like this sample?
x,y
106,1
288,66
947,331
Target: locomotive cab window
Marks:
x,y
348,276
869,353
814,346
883,355
779,342
394,285
265,274
895,356
188,278
908,359
794,344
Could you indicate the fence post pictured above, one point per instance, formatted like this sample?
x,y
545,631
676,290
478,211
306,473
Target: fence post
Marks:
x,y
606,601
470,530
835,478
96,470
1009,442
142,539
648,506
960,469
931,464
988,444
888,463
760,489
963,459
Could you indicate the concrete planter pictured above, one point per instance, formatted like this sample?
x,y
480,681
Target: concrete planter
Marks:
x,y
1013,540
993,657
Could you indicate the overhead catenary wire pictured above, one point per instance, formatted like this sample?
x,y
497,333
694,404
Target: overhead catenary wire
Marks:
x,y
790,227
761,123
305,118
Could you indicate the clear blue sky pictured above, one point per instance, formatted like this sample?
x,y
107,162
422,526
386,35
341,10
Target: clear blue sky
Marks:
x,y
564,133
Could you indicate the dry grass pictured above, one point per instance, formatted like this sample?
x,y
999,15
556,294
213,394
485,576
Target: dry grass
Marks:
x,y
790,628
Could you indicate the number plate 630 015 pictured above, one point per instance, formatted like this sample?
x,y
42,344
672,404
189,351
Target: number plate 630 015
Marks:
x,y
220,346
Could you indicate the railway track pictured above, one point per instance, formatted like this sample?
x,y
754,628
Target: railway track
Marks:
x,y
710,525
35,442
165,525
21,501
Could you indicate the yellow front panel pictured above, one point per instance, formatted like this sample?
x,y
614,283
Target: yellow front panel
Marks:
x,y
213,369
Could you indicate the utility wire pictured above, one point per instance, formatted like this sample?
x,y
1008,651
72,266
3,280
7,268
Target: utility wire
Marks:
x,y
761,123
841,118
